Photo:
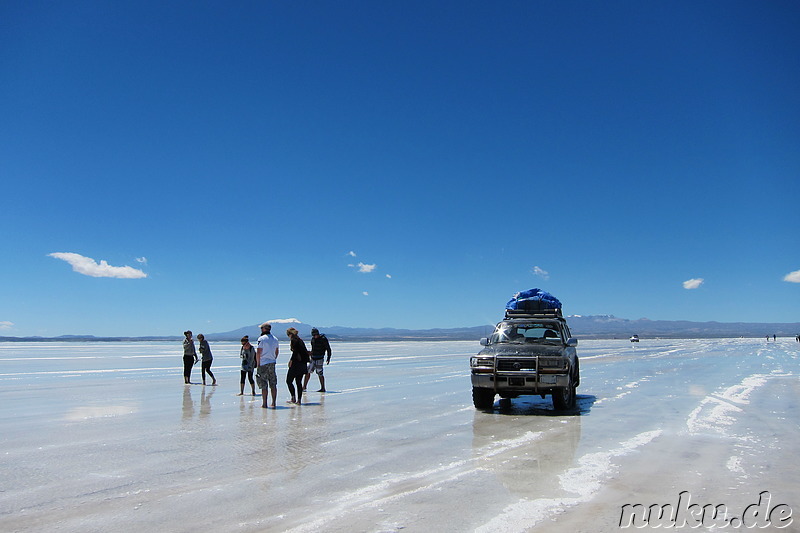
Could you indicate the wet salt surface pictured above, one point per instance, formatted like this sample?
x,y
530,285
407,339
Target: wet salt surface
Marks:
x,y
95,436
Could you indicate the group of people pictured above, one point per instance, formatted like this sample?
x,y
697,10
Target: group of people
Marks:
x,y
262,359
190,357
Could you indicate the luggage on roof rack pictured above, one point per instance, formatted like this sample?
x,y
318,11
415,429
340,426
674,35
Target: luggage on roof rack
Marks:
x,y
533,300
544,313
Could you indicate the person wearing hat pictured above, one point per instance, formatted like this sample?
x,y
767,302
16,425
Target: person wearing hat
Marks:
x,y
266,357
319,348
189,356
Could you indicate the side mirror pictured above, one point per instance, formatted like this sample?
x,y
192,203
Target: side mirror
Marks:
x,y
484,341
572,342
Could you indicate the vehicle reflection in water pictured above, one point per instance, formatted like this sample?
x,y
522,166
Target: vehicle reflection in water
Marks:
x,y
527,445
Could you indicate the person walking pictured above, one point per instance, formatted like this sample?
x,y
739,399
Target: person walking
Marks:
x,y
266,357
298,365
205,352
248,355
319,348
189,356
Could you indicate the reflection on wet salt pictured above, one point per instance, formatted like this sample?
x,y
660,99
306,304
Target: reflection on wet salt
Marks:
x,y
99,411
399,447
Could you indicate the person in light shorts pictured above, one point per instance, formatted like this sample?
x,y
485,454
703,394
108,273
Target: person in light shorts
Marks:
x,y
266,357
318,366
266,376
320,347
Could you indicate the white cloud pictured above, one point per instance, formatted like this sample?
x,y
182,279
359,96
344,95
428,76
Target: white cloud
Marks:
x,y
364,268
351,253
89,267
5,325
693,283
792,277
541,272
388,276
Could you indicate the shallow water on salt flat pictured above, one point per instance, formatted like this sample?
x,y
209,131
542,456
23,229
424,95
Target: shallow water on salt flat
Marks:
x,y
101,435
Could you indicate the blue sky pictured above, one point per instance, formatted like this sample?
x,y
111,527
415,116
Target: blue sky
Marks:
x,y
395,164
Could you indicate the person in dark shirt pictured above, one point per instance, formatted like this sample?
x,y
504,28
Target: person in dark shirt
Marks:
x,y
298,365
319,348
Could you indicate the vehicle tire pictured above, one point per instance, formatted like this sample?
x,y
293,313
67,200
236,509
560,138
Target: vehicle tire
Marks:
x,y
565,398
482,398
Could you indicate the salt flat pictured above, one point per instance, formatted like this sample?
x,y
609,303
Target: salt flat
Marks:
x,y
105,436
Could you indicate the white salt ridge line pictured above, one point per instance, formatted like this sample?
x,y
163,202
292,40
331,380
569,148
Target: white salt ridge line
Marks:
x,y
585,480
70,372
717,411
359,389
374,495
170,369
372,359
630,386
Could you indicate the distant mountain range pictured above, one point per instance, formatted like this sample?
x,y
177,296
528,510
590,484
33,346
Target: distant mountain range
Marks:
x,y
583,327
609,326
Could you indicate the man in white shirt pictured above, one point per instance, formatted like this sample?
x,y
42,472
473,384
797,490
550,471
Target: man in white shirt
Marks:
x,y
266,357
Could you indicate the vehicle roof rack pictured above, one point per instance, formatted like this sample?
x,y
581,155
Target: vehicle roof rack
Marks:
x,y
540,313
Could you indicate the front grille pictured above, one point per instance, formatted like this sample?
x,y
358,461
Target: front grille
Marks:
x,y
516,365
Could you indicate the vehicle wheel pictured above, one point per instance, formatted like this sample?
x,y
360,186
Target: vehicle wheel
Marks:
x,y
565,398
482,398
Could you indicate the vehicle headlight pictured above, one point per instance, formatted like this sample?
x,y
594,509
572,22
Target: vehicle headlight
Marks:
x,y
481,362
553,363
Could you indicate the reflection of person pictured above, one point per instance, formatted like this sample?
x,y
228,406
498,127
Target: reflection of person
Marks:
x,y
298,365
319,348
189,356
266,357
248,355
205,351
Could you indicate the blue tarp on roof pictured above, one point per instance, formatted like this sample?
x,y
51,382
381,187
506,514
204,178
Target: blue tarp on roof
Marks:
x,y
533,298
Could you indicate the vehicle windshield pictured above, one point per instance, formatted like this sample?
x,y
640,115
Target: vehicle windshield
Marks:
x,y
529,332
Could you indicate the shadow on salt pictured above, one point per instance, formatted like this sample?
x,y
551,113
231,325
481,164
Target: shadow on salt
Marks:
x,y
536,406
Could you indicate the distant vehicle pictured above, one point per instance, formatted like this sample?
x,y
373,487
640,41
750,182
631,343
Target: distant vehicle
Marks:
x,y
634,338
530,352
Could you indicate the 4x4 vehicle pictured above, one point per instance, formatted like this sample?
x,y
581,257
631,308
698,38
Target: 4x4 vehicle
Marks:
x,y
530,352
